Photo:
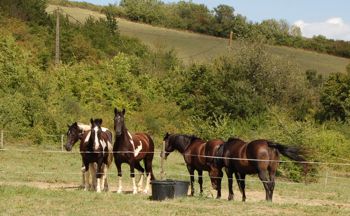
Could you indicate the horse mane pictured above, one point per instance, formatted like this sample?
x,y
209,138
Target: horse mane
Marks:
x,y
231,139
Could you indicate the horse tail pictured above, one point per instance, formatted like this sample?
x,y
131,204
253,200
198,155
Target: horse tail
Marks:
x,y
293,153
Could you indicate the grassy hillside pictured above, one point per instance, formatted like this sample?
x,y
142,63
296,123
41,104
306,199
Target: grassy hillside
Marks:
x,y
192,47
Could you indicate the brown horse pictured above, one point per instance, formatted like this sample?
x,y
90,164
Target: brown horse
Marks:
x,y
132,149
259,156
96,147
196,152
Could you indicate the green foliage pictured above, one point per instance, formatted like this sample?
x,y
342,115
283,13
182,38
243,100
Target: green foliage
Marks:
x,y
335,98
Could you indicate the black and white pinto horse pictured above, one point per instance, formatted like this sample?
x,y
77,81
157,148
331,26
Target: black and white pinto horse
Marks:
x,y
132,149
79,132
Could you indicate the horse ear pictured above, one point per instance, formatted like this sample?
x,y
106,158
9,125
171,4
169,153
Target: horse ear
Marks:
x,y
91,121
124,111
166,135
115,111
75,124
68,126
100,121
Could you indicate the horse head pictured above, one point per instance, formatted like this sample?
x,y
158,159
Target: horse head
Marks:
x,y
119,121
96,131
168,146
73,135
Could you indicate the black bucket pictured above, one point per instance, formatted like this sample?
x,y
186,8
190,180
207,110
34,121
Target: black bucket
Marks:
x,y
181,188
162,190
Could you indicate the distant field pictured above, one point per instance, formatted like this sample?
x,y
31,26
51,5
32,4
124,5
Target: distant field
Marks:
x,y
33,182
192,47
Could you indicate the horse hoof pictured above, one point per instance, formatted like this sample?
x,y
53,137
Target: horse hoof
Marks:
x,y
134,192
119,191
145,191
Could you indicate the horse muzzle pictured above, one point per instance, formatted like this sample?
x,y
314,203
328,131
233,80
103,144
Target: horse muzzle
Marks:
x,y
68,147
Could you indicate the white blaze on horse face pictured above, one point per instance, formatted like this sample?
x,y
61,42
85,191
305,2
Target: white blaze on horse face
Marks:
x,y
96,139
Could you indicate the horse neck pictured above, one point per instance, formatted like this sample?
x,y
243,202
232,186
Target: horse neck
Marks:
x,y
182,145
122,138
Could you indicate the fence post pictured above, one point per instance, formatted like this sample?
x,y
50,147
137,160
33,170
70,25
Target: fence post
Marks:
x,y
162,174
2,139
326,179
62,144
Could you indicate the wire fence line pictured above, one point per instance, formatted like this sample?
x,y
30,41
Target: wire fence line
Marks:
x,y
159,152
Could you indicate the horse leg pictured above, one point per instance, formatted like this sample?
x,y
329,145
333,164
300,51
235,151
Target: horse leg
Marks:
x,y
272,173
200,181
229,174
87,177
119,168
83,176
141,170
99,176
264,177
240,178
218,195
104,184
149,172
191,171
132,176
93,168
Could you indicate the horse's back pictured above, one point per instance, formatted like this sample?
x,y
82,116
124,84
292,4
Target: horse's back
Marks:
x,y
146,140
195,155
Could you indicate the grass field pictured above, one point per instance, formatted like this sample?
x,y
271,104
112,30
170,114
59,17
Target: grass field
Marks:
x,y
192,47
39,182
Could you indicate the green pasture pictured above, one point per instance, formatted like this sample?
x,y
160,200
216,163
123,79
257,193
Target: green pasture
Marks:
x,y
41,180
193,47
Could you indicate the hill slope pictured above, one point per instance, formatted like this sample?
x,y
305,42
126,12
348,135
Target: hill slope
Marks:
x,y
192,47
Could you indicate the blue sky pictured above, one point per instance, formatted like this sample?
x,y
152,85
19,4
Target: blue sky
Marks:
x,y
327,17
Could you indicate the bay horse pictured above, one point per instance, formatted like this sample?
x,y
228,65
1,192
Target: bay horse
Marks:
x,y
257,157
196,152
96,147
74,134
132,149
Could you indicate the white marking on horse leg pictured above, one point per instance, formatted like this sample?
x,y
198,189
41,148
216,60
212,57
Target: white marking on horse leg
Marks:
x,y
98,187
140,184
134,188
147,183
96,139
120,185
92,169
83,176
103,178
87,185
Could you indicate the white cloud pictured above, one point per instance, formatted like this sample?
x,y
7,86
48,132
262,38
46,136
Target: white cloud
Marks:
x,y
334,28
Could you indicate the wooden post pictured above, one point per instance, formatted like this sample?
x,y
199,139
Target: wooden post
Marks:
x,y
230,39
62,144
57,50
326,179
162,173
2,139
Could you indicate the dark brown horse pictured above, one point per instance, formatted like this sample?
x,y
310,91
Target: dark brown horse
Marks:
x,y
96,147
196,152
259,156
132,149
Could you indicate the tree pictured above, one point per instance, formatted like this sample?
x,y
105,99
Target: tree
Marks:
x,y
335,98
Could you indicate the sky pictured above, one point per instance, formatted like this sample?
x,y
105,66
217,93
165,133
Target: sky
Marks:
x,y
330,18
